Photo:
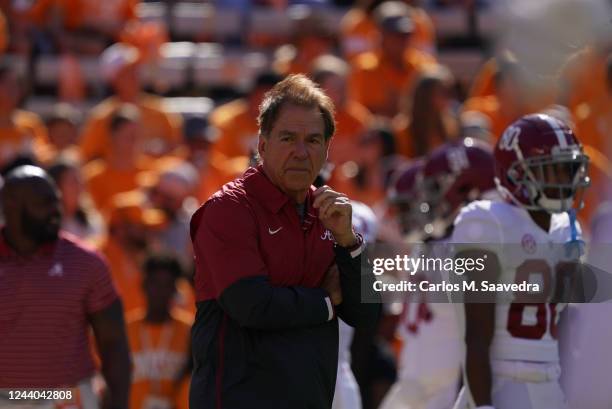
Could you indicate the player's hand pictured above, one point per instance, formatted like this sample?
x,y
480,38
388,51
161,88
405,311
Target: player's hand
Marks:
x,y
331,284
335,212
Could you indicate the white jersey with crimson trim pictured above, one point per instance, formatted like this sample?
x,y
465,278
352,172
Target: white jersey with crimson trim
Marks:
x,y
526,253
430,332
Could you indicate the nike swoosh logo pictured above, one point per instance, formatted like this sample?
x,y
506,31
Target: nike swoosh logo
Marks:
x,y
274,231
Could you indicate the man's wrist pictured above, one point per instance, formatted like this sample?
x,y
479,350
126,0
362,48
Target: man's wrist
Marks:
x,y
348,241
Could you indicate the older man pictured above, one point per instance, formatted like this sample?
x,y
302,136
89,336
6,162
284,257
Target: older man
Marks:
x,y
52,291
276,262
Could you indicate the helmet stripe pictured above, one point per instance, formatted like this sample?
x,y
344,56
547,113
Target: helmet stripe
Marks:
x,y
557,129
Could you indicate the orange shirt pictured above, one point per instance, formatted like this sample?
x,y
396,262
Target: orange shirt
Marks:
x,y
238,129
26,135
360,34
352,120
219,171
484,83
158,127
379,85
127,276
159,354
103,182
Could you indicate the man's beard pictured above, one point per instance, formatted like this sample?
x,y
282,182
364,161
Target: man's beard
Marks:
x,y
39,231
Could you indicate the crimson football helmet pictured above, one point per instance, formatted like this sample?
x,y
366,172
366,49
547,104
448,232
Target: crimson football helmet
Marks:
x,y
455,174
540,164
405,195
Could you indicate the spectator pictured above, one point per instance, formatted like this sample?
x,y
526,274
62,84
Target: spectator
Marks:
x,y
62,127
312,37
118,173
21,132
171,190
81,26
129,240
483,84
360,33
214,168
427,119
399,68
352,118
45,347
512,97
160,130
272,317
236,119
80,216
159,338
367,177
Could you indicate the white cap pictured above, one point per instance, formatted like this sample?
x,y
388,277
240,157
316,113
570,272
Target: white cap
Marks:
x,y
116,57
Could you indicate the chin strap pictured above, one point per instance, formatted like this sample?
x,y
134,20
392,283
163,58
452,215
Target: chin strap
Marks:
x,y
574,248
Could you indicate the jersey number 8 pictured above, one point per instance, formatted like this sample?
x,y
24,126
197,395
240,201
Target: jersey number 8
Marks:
x,y
564,272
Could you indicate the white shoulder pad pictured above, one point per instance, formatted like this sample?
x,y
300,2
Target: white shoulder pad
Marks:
x,y
478,226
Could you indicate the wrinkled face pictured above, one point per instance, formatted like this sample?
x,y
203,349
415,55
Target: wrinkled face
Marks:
x,y
40,212
294,152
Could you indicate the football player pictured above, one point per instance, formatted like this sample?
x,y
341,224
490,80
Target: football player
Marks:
x,y
404,204
512,356
347,394
430,360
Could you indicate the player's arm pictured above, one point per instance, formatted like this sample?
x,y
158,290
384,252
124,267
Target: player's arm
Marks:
x,y
226,246
109,330
479,329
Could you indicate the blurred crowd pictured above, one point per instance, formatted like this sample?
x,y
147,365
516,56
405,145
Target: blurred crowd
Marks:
x,y
132,172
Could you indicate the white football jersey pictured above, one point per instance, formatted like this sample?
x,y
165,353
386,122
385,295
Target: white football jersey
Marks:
x,y
432,346
526,253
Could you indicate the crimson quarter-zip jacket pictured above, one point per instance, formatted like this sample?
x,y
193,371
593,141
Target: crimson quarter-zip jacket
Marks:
x,y
265,334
